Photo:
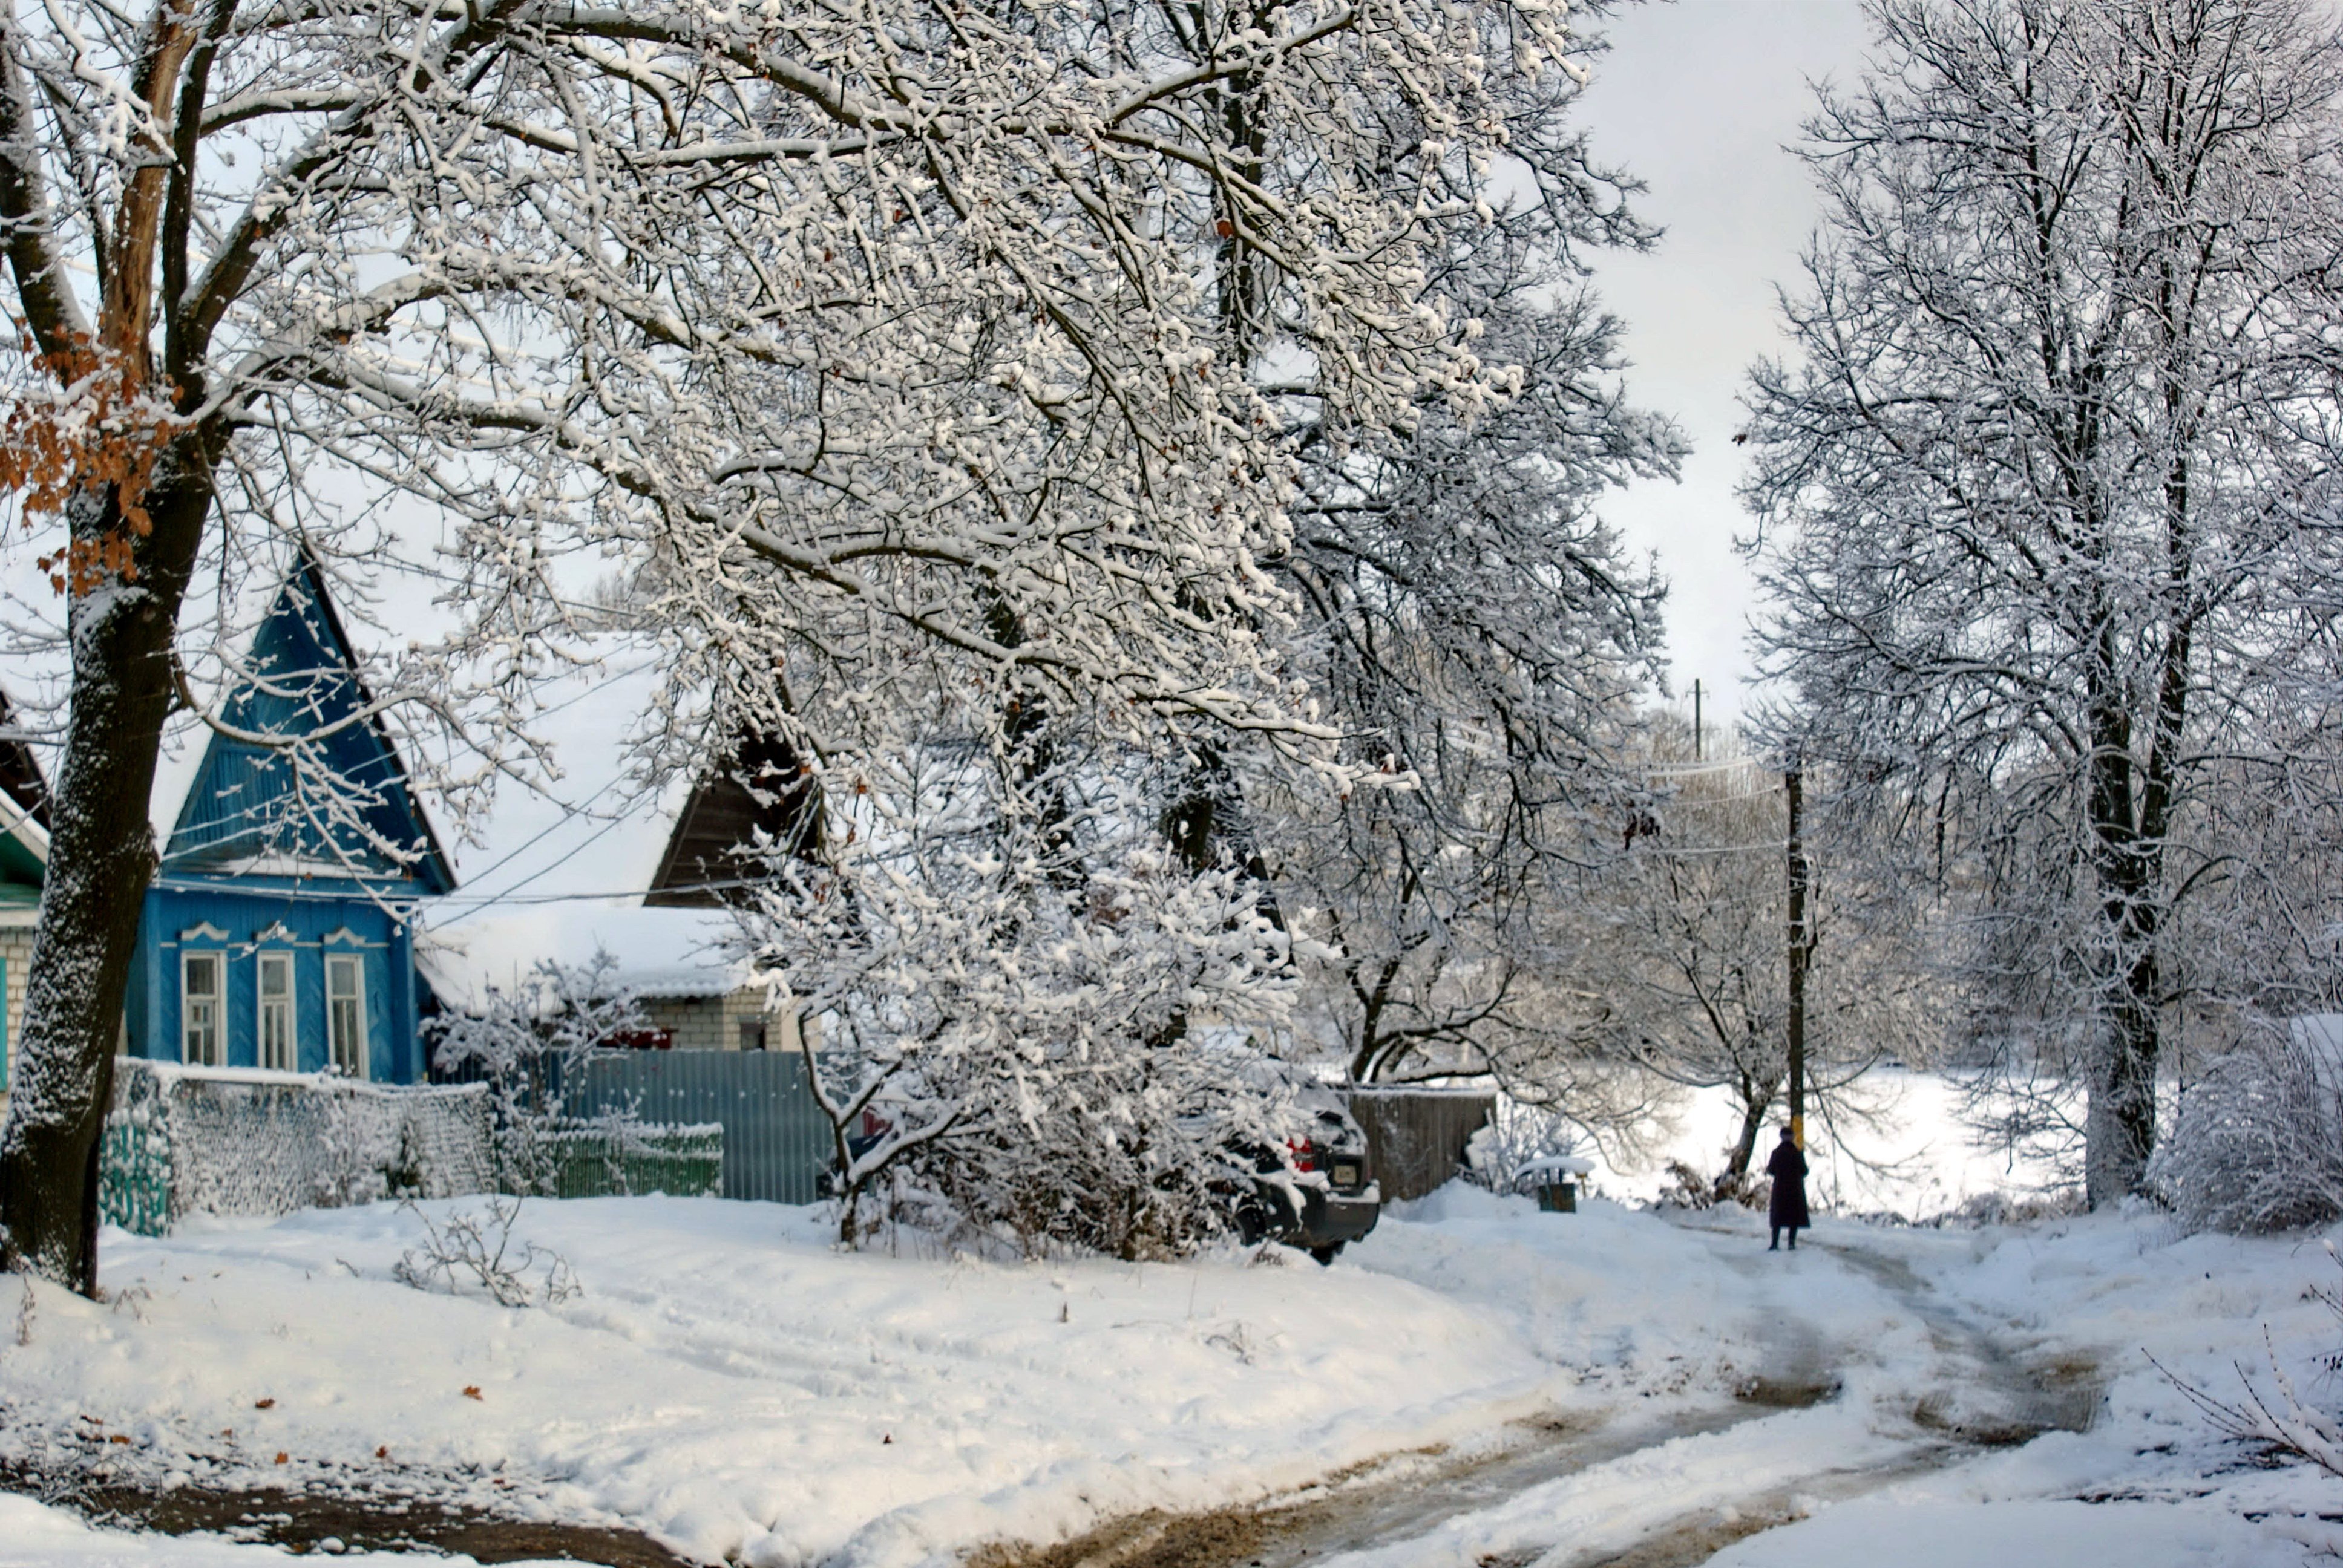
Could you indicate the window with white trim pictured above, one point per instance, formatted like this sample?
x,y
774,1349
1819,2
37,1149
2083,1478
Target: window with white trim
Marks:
x,y
200,989
277,1012
346,1012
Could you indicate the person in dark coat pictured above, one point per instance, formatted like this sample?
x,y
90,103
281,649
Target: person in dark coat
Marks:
x,y
1787,1210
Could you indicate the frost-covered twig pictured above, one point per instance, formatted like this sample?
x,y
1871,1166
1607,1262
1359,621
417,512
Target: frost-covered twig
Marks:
x,y
472,1245
2284,1422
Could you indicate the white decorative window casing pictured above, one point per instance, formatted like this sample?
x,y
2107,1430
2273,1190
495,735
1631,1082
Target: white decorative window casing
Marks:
x,y
345,1033
202,989
276,1013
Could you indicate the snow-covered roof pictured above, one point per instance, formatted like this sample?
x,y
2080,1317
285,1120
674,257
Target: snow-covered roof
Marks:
x,y
558,873
660,952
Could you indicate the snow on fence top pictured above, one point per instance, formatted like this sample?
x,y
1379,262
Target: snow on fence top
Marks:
x,y
238,1141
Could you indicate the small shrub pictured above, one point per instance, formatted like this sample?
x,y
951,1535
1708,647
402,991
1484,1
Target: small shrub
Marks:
x,y
476,1246
1688,1189
2258,1146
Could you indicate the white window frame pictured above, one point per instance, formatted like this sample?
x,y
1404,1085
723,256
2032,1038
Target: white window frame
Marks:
x,y
218,1001
263,1004
354,1061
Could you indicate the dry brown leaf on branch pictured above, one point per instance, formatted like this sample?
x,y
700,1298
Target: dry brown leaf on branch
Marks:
x,y
99,427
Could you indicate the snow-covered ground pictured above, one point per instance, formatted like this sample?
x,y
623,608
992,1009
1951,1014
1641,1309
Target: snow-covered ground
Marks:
x,y
1940,1333
731,1383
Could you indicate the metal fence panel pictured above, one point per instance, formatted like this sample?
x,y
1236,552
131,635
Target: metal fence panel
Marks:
x,y
777,1141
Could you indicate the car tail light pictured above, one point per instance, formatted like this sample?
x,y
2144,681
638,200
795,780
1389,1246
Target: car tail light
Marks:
x,y
1304,1152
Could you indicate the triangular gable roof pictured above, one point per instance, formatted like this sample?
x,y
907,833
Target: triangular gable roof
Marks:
x,y
757,788
20,772
243,810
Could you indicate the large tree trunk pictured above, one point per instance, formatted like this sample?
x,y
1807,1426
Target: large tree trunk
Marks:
x,y
2119,1119
101,855
2119,1127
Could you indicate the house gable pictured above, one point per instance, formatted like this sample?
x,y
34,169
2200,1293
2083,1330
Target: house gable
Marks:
x,y
277,933
249,810
757,788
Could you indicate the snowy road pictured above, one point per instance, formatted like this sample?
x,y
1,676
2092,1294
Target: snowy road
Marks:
x,y
1824,1418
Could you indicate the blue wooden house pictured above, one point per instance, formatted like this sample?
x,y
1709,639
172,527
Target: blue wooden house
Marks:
x,y
278,931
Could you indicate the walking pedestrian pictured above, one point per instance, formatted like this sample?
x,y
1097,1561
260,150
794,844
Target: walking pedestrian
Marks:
x,y
1786,1210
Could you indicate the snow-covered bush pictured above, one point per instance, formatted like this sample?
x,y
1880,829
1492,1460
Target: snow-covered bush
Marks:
x,y
2258,1146
1982,1208
529,1044
1139,1153
1515,1135
1027,1003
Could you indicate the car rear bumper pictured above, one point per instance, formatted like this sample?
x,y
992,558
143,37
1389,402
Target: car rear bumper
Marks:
x,y
1330,1218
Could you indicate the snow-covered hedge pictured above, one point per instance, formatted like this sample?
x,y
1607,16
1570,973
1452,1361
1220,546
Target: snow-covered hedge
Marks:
x,y
228,1141
2258,1145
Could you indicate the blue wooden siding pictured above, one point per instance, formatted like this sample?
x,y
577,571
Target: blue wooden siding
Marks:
x,y
239,923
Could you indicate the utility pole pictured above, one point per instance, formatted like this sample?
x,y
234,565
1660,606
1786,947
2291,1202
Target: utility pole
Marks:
x,y
1793,782
1695,721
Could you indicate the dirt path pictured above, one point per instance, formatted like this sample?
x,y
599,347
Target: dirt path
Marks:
x,y
1983,1390
385,1513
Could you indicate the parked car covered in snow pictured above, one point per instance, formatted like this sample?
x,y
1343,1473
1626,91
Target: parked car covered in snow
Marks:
x,y
1316,1193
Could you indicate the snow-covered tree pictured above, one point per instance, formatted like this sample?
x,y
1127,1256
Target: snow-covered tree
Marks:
x,y
1483,638
1689,939
1020,993
905,324
2045,495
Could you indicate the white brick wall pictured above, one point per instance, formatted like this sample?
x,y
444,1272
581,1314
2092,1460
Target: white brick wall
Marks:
x,y
713,1022
16,947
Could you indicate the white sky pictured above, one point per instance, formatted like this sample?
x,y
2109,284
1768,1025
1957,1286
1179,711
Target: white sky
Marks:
x,y
1698,98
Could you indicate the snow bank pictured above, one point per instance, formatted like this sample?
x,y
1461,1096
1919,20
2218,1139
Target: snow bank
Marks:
x,y
1622,1300
731,1384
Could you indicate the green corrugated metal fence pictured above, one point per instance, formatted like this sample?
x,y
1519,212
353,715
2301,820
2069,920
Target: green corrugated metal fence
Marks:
x,y
777,1142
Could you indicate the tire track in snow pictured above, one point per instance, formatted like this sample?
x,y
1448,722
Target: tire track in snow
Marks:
x,y
1651,1492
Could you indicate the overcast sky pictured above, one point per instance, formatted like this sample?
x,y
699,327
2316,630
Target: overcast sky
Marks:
x,y
1698,98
